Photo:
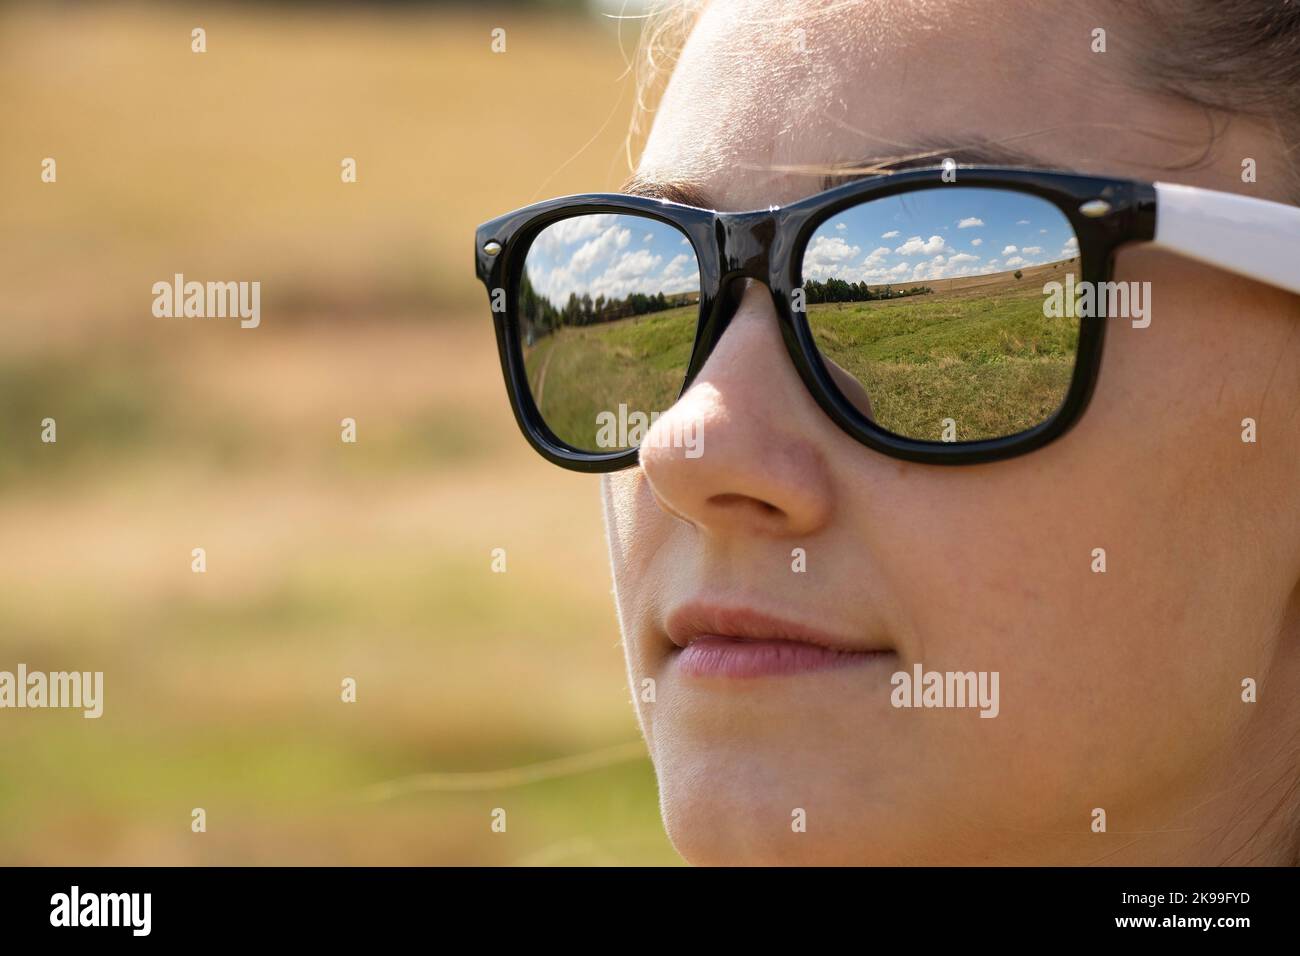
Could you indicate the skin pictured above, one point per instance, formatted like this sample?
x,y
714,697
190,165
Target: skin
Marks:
x,y
1120,690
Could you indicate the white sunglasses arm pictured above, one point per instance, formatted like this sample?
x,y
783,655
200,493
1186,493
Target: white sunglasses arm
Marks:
x,y
1252,237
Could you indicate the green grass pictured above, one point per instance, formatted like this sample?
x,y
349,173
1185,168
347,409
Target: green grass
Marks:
x,y
581,372
989,360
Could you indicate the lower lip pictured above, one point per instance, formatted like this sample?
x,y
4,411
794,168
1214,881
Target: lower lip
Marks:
x,y
711,656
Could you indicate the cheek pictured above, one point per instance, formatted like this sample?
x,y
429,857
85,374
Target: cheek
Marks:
x,y
634,526
1098,672
637,531
619,519
1140,664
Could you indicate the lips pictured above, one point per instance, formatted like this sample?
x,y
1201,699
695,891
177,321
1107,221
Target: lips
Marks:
x,y
740,642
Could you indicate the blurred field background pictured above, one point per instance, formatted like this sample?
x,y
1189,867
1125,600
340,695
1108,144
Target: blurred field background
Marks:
x,y
325,560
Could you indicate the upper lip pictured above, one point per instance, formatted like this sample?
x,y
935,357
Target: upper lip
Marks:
x,y
745,623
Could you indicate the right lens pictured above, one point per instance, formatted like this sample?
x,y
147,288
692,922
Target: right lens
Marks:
x,y
938,312
608,306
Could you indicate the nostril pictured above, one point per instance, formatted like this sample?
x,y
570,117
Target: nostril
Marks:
x,y
734,501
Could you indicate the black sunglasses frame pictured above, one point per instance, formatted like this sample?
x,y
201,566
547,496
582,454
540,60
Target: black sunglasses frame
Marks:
x,y
768,246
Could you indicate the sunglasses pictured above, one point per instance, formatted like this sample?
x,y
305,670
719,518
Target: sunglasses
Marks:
x,y
948,316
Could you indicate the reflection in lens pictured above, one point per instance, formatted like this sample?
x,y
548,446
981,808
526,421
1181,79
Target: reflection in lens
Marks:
x,y
931,310
607,306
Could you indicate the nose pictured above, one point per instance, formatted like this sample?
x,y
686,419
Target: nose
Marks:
x,y
761,466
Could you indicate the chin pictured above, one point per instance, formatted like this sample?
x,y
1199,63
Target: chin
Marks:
x,y
735,810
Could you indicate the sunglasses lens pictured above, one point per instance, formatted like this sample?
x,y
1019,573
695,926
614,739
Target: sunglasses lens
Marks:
x,y
607,308
934,310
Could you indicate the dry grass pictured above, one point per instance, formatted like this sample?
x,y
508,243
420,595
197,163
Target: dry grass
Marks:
x,y
325,560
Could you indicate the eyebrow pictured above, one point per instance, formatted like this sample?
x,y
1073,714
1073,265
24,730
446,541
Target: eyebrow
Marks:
x,y
975,154
674,190
689,193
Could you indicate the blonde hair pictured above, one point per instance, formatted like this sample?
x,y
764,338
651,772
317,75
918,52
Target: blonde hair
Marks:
x,y
664,29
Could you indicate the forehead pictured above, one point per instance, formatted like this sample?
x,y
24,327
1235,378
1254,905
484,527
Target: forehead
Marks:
x,y
766,94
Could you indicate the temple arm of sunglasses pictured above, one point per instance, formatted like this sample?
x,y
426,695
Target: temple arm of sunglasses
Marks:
x,y
1252,237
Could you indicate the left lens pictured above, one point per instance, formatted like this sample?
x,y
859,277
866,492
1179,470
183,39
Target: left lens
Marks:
x,y
938,312
608,306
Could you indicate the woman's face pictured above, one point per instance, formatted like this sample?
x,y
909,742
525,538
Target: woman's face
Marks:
x,y
1119,690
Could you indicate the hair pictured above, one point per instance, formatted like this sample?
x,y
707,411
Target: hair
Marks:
x,y
1228,56
664,31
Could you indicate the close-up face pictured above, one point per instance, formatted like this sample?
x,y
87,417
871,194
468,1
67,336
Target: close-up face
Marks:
x,y
880,449
1123,583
